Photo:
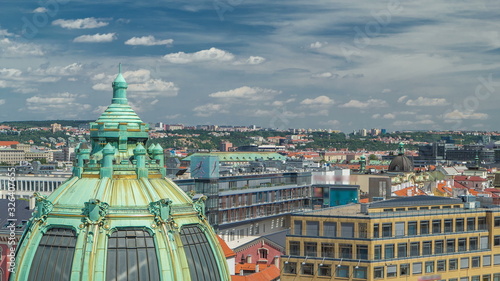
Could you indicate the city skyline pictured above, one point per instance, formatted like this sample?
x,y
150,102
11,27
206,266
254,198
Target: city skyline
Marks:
x,y
396,65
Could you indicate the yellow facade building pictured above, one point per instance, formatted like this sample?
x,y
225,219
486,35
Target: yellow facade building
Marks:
x,y
413,238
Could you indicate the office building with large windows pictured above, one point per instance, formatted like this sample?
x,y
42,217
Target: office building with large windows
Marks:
x,y
412,238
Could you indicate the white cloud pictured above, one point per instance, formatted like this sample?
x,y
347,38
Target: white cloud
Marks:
x,y
96,38
155,87
423,101
40,10
386,91
85,23
385,116
321,100
247,93
139,81
458,115
325,75
2,101
26,90
402,99
212,54
368,103
149,40
67,70
5,32
11,48
10,72
331,122
209,109
255,60
317,45
58,105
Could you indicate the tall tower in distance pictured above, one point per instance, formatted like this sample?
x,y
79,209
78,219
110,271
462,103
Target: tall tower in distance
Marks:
x,y
118,217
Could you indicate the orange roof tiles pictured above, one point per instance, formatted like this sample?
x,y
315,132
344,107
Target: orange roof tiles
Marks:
x,y
268,274
227,251
8,143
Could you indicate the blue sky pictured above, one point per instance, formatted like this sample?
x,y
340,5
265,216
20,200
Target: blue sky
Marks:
x,y
345,65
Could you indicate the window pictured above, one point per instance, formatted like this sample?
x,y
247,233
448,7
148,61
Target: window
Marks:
x,y
417,268
378,272
481,223
497,221
342,271
412,228
360,272
427,248
312,228
450,245
459,225
389,251
414,249
290,268
376,230
377,255
198,251
392,270
307,269
496,240
438,246
404,269
441,265
311,249
294,248
464,263
54,255
347,229
429,266
475,262
400,230
362,252
487,260
484,242
496,259
471,224
496,277
424,227
402,250
436,226
448,225
453,264
297,227
387,230
475,278
472,243
362,230
464,278
325,270
462,244
345,251
327,250
330,229
487,277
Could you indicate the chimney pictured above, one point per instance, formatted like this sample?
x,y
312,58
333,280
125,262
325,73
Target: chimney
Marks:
x,y
277,261
241,272
257,268
32,202
249,259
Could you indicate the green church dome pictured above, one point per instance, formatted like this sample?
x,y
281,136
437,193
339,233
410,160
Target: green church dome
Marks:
x,y
118,218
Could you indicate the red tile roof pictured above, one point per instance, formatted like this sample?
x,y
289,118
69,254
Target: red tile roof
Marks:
x,y
227,251
8,143
268,274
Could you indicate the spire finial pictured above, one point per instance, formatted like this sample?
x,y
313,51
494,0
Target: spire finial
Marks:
x,y
120,67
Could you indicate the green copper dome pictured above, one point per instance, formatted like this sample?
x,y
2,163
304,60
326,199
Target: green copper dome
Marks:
x,y
118,217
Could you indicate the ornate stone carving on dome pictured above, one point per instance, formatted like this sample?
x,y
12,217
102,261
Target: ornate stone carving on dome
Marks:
x,y
199,206
42,207
95,211
161,209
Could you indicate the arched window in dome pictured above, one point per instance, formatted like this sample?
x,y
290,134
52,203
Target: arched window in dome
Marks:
x,y
54,256
199,254
131,256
